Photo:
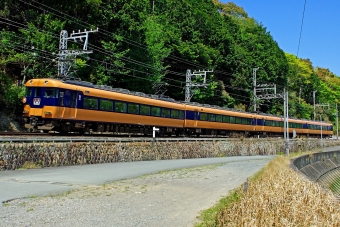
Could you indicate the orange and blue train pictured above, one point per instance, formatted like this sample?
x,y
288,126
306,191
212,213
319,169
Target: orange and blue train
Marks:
x,y
82,107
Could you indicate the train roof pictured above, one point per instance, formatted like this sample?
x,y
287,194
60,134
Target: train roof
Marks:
x,y
119,90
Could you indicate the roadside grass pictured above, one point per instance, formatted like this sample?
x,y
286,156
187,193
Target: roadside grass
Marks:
x,y
276,196
30,165
335,186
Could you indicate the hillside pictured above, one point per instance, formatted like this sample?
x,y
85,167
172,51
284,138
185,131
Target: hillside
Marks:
x,y
143,43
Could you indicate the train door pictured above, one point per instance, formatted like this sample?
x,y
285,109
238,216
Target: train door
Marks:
x,y
191,118
73,104
260,124
263,124
61,104
253,123
70,103
196,117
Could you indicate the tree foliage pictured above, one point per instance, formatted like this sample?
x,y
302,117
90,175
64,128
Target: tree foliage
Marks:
x,y
141,42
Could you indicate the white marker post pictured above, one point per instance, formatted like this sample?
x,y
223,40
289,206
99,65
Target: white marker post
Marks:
x,y
154,129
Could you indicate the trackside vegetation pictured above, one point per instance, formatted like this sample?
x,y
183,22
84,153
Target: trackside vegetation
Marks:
x,y
276,196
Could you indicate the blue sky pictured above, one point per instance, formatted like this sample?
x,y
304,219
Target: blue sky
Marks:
x,y
320,39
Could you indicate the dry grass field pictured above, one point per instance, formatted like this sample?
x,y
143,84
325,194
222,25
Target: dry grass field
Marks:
x,y
277,196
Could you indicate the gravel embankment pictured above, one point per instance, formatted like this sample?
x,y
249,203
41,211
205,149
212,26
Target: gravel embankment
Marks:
x,y
173,198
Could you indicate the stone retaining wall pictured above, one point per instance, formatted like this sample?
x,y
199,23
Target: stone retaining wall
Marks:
x,y
13,156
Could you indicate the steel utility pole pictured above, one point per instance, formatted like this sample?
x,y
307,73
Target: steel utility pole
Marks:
x,y
286,122
314,103
284,115
321,131
337,130
189,84
65,55
254,84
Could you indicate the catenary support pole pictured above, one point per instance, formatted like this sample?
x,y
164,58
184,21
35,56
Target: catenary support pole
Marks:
x,y
314,103
284,114
320,131
287,126
337,122
254,84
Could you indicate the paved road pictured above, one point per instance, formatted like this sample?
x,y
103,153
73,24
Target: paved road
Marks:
x,y
55,180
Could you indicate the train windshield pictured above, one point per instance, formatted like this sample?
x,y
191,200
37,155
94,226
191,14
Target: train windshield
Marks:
x,y
28,91
37,92
51,93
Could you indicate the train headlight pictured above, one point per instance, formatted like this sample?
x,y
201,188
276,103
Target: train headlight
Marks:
x,y
25,111
24,100
48,113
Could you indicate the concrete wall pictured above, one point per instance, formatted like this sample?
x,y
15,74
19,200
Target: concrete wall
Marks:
x,y
305,160
317,164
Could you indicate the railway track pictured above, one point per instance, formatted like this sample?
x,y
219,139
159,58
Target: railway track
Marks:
x,y
57,137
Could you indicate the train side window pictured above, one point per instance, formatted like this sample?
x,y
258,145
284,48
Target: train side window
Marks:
x,y
133,108
37,92
249,121
226,119
165,112
211,117
120,107
232,120
238,120
28,91
156,111
203,117
218,118
90,103
106,105
174,114
181,114
145,110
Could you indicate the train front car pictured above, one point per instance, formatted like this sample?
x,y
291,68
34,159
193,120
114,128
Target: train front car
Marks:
x,y
40,104
79,106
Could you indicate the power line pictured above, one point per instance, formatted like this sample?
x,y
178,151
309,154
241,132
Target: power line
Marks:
x,y
303,16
